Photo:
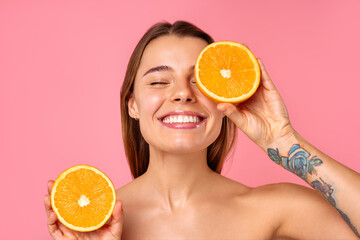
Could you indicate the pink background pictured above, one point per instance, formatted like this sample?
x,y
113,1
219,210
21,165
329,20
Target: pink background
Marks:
x,y
62,65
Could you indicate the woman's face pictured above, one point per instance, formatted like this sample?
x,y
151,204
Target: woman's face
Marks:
x,y
174,115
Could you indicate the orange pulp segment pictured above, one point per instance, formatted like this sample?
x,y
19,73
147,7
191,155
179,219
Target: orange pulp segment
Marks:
x,y
227,71
83,198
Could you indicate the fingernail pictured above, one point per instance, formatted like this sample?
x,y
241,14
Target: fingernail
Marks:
x,y
221,108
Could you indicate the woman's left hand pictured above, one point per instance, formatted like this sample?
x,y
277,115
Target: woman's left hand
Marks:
x,y
263,117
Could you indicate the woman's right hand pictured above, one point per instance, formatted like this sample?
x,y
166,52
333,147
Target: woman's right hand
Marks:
x,y
110,231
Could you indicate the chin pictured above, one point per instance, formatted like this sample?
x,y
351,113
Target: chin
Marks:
x,y
183,146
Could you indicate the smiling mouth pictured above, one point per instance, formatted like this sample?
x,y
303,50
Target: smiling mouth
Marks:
x,y
182,119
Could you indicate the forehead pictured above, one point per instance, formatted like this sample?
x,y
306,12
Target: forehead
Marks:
x,y
171,50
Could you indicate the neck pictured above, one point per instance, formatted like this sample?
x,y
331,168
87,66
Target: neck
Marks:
x,y
176,178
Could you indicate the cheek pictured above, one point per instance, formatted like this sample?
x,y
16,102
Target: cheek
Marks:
x,y
216,119
149,104
216,128
212,107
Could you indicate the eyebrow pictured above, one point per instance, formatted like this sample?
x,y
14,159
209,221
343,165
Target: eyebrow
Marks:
x,y
163,68
158,69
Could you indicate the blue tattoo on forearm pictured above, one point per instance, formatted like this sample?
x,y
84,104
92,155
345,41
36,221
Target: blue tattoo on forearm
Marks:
x,y
298,162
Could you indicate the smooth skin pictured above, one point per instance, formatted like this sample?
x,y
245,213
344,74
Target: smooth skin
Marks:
x,y
179,197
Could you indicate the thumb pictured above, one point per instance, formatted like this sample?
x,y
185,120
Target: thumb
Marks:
x,y
116,223
233,113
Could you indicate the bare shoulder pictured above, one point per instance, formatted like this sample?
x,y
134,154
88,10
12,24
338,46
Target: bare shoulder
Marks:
x,y
227,186
128,191
286,199
270,193
299,207
281,209
291,198
284,191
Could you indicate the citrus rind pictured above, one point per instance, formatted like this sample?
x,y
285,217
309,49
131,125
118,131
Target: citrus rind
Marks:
x,y
55,209
212,95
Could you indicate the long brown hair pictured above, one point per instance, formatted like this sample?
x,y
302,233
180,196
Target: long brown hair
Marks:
x,y
136,148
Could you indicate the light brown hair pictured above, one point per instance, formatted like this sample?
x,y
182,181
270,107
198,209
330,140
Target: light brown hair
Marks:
x,y
136,148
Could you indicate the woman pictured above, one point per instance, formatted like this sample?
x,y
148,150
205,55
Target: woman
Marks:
x,y
177,191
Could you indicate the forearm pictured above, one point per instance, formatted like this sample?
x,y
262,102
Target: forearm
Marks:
x,y
337,183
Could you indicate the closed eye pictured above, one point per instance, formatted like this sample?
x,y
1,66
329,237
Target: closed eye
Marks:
x,y
160,83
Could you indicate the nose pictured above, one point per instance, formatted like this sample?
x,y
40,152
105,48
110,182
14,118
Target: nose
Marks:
x,y
183,92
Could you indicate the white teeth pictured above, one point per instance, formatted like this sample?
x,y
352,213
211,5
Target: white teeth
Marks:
x,y
181,119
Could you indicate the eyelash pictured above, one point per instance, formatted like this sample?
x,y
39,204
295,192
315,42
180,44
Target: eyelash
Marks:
x,y
164,83
155,83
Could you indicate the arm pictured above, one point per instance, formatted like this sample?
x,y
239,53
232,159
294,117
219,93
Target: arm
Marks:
x,y
264,119
302,213
334,181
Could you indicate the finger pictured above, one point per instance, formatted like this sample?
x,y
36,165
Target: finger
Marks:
x,y
47,205
52,222
116,223
231,111
265,77
53,227
117,214
50,185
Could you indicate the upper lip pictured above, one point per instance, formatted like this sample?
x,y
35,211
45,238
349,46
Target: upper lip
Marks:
x,y
181,112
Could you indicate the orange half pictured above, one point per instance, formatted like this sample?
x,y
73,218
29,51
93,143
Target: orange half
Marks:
x,y
227,71
83,198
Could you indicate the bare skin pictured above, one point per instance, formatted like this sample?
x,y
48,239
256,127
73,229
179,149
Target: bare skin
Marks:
x,y
223,209
179,197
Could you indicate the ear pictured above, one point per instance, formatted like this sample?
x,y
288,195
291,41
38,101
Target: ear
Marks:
x,y
132,107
